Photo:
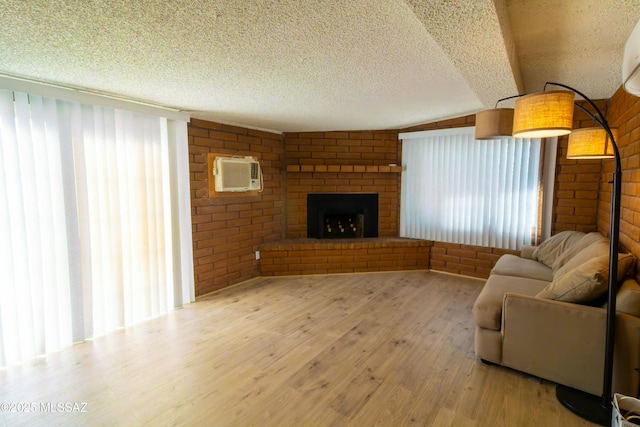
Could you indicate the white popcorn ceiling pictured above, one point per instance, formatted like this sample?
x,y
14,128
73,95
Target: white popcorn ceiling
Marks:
x,y
303,65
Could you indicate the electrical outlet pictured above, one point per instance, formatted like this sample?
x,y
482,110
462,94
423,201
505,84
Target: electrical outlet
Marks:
x,y
257,254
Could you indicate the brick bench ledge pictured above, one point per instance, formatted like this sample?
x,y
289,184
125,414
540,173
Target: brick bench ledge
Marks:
x,y
372,242
326,256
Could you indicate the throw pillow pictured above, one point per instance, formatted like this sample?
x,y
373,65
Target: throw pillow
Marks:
x,y
549,250
587,281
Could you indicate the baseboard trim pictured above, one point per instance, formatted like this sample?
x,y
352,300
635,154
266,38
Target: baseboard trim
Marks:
x,y
458,275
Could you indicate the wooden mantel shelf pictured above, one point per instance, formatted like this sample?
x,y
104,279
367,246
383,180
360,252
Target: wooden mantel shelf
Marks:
x,y
344,168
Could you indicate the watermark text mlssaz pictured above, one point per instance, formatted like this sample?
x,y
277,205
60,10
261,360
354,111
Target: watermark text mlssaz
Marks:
x,y
64,407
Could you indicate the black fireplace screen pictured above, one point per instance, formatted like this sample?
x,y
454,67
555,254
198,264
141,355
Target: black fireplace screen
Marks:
x,y
342,215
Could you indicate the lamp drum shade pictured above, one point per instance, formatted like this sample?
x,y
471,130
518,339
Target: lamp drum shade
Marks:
x,y
494,124
591,143
544,114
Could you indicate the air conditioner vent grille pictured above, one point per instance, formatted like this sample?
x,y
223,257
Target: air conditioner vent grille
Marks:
x,y
237,174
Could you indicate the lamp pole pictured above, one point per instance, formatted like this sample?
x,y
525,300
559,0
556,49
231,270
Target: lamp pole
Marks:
x,y
583,404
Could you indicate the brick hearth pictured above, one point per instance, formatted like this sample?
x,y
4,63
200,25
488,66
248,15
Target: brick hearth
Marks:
x,y
325,256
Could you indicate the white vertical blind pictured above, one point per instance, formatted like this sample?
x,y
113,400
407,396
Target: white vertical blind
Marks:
x,y
86,205
459,190
34,289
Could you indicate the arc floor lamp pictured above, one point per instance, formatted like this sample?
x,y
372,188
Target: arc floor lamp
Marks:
x,y
548,114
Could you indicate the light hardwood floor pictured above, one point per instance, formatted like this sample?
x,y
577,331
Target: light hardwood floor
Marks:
x,y
387,349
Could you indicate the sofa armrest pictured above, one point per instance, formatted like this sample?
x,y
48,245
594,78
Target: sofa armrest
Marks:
x,y
555,340
527,252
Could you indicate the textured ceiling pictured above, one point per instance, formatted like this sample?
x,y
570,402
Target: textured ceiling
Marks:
x,y
576,42
296,65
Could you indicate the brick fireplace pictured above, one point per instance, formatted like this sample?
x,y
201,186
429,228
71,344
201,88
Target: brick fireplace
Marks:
x,y
352,163
343,162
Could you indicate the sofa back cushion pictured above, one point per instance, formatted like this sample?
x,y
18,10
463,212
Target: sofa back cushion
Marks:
x,y
628,298
587,281
570,252
549,250
594,250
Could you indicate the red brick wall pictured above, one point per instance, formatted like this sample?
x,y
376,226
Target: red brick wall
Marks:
x,y
577,183
301,256
475,261
361,148
624,114
228,230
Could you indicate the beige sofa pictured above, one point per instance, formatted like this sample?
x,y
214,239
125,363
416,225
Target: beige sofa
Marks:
x,y
542,313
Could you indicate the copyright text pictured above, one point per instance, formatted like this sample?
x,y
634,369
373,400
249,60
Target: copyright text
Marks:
x,y
64,407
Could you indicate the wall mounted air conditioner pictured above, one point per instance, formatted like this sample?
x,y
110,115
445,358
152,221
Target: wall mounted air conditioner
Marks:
x,y
237,174
631,63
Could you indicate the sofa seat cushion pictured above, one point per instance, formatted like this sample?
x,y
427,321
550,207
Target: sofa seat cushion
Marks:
x,y
487,310
512,265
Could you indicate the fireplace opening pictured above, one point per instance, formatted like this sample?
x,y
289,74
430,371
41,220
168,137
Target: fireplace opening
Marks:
x,y
342,215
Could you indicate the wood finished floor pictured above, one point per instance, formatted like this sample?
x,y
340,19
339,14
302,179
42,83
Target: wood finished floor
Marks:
x,y
386,349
